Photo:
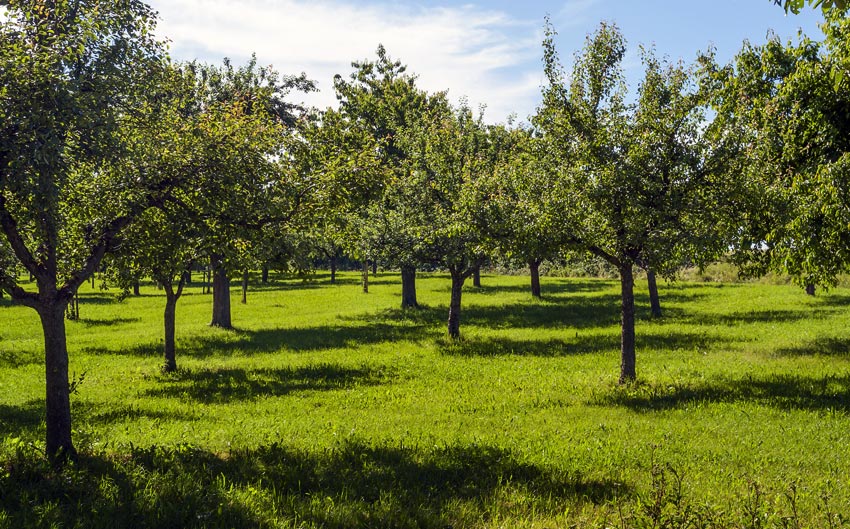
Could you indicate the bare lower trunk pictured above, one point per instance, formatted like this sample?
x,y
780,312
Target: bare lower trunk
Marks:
x,y
476,276
333,270
170,317
136,291
374,268
454,304
534,268
58,398
221,297
244,287
810,289
265,274
654,301
408,287
627,324
365,277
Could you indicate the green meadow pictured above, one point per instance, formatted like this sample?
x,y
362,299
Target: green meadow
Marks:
x,y
331,408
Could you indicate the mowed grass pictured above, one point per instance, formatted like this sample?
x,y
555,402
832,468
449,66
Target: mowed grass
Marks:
x,y
328,407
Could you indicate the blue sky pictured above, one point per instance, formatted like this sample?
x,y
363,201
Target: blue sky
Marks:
x,y
488,52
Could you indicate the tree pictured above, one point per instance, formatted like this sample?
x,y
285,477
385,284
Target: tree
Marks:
x,y
639,186
80,84
794,6
382,100
264,188
450,151
789,112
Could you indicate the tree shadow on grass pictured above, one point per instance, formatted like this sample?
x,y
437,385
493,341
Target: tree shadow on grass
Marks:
x,y
91,413
19,358
780,391
21,419
225,385
352,485
580,345
106,322
820,346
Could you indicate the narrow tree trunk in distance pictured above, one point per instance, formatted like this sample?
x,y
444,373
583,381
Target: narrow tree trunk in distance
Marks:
x,y
187,277
58,402
265,276
408,287
136,291
374,268
810,289
476,276
534,267
333,270
92,281
245,286
454,304
654,301
627,325
221,297
365,277
170,364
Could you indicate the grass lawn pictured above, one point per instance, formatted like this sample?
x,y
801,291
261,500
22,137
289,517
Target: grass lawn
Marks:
x,y
332,408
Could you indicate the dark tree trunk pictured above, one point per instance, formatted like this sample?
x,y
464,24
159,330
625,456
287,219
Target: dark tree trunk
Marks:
x,y
654,301
627,324
476,276
92,281
810,289
333,270
458,279
136,291
170,364
58,446
534,267
408,287
244,286
171,297
221,296
374,268
187,277
265,274
365,277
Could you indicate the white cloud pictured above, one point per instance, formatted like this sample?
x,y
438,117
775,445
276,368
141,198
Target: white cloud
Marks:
x,y
474,52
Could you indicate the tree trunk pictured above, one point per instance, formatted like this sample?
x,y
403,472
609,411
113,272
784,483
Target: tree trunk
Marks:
x,y
265,274
333,270
245,286
534,267
187,277
170,364
58,402
454,305
365,277
476,276
810,289
221,296
136,291
408,287
627,325
374,268
654,302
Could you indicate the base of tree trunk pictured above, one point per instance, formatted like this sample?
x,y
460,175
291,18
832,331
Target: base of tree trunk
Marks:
x,y
627,325
408,288
810,290
534,268
654,301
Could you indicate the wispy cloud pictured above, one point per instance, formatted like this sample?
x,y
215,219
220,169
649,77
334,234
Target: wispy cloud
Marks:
x,y
479,53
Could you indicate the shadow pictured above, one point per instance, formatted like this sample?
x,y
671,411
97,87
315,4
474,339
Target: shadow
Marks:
x,y
548,287
223,385
21,420
821,346
351,485
20,358
785,392
95,322
96,414
755,317
580,345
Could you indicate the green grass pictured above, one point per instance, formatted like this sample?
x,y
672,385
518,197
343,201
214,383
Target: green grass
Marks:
x,y
332,408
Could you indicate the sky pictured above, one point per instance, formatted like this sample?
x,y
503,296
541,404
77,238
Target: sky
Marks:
x,y
487,52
